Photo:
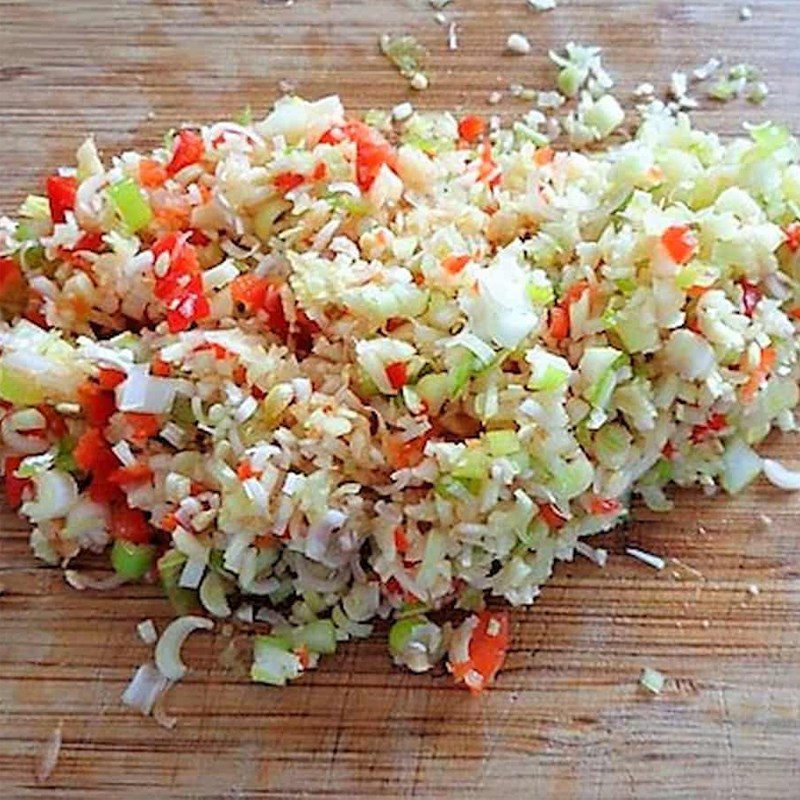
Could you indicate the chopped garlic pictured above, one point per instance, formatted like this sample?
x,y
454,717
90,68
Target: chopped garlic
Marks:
x,y
419,82
517,43
402,111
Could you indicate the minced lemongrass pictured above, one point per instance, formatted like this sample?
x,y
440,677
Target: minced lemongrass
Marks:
x,y
421,355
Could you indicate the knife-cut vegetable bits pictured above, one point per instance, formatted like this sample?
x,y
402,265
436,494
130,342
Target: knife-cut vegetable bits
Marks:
x,y
313,372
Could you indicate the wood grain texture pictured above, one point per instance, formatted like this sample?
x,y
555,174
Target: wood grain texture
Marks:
x,y
566,719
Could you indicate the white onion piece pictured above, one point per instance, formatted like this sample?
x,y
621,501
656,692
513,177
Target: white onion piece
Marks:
x,y
168,649
56,493
106,356
307,579
24,445
319,533
192,574
87,201
781,476
145,393
21,443
190,545
145,687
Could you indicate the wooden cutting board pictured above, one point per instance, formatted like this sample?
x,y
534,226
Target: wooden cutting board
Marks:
x,y
566,719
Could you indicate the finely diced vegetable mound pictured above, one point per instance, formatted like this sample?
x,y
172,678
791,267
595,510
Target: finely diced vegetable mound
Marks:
x,y
310,372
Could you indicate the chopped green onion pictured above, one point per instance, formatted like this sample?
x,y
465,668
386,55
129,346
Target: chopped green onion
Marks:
x,y
273,661
318,636
540,294
18,388
245,116
132,207
170,566
35,207
131,561
460,374
503,443
401,632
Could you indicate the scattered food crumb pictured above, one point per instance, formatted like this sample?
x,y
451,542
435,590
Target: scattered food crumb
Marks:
x,y
419,81
147,631
705,623
402,111
706,70
691,570
678,86
517,43
765,519
701,530
644,90
647,558
439,4
753,590
758,92
550,100
494,98
452,37
741,79
286,85
652,680
542,5
408,56
440,18
745,13
49,758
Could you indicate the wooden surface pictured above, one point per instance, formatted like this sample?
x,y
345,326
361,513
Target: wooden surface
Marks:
x,y
566,719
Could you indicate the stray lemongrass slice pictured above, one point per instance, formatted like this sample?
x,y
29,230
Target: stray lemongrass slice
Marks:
x,y
168,649
145,687
652,680
147,631
647,558
780,476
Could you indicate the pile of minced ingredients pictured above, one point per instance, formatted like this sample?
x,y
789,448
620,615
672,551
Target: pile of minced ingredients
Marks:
x,y
309,373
